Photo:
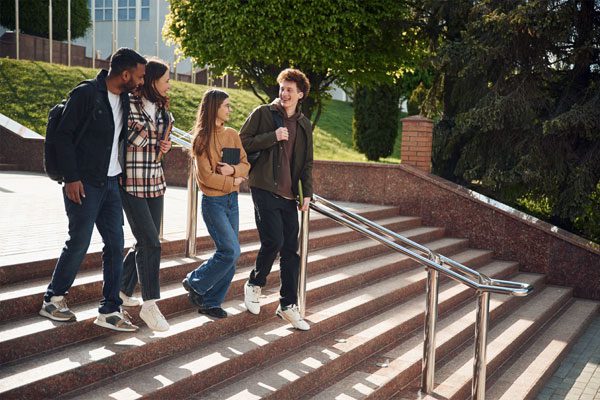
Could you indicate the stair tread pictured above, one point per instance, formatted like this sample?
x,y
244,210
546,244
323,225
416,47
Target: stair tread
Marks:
x,y
542,356
236,304
257,338
310,359
39,285
458,372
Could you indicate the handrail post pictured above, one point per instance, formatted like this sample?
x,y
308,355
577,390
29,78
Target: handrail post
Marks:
x,y
480,360
192,212
304,227
428,366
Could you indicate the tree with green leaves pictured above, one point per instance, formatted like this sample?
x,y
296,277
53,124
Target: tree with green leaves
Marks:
x,y
518,83
33,17
343,41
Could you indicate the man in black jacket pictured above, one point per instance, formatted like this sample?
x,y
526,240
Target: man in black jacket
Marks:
x,y
91,192
285,164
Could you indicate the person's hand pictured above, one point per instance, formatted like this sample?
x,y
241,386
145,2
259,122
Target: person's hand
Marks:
x,y
282,134
74,191
224,169
305,205
238,181
165,146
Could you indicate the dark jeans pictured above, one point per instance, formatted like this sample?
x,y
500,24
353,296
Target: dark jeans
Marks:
x,y
212,279
277,223
143,260
101,206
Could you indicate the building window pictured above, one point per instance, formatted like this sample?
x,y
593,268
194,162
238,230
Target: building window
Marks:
x,y
125,9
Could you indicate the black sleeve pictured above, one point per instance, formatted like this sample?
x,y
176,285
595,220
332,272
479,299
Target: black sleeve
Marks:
x,y
77,110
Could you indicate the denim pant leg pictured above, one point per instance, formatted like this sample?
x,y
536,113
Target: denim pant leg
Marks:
x,y
212,279
269,223
143,260
81,225
110,225
219,290
289,263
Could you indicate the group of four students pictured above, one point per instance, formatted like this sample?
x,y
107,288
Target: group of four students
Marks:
x,y
114,163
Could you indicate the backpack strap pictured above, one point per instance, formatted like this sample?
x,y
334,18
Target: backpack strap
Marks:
x,y
88,121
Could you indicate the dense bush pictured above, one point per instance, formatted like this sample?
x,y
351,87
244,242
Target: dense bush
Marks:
x,y
375,122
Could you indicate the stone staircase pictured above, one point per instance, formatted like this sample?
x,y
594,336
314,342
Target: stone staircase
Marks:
x,y
365,305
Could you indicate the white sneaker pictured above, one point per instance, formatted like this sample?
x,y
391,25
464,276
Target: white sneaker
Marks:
x,y
154,318
129,301
292,315
118,321
251,298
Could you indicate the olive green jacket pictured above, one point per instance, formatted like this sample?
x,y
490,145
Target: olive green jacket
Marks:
x,y
258,133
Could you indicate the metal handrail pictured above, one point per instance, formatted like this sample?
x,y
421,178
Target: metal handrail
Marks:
x,y
184,139
491,285
435,264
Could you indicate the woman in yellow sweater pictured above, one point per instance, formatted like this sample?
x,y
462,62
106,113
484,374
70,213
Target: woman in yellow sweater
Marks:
x,y
219,181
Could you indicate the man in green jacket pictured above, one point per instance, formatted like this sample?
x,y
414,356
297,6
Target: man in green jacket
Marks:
x,y
283,136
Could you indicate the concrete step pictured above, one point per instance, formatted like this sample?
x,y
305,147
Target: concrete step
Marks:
x,y
453,379
219,360
24,298
85,363
524,374
383,374
20,272
20,338
322,362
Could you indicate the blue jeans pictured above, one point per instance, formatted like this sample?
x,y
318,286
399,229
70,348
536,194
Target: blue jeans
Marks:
x,y
101,206
143,260
212,279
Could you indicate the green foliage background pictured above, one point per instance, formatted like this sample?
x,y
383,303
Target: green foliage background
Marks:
x,y
33,17
29,88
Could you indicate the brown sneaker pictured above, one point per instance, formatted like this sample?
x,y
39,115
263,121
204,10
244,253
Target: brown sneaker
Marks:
x,y
56,309
117,321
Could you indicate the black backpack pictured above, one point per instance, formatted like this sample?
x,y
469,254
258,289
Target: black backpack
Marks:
x,y
54,117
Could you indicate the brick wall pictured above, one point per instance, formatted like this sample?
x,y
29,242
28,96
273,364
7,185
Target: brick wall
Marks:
x,y
417,135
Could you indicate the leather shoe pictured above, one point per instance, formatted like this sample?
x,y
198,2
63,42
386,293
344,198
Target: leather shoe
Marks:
x,y
216,312
194,297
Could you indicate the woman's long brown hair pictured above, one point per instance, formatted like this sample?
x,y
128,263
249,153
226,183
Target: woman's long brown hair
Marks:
x,y
206,118
155,69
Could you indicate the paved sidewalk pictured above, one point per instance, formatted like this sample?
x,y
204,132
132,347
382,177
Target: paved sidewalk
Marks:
x,y
33,223
578,377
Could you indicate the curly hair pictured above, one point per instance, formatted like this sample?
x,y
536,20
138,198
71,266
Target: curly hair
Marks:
x,y
295,75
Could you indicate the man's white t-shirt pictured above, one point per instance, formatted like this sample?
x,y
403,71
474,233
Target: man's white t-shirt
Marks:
x,y
114,168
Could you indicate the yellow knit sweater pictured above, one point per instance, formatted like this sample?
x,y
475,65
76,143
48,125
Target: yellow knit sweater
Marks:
x,y
211,183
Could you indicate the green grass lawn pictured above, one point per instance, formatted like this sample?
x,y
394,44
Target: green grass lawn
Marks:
x,y
28,89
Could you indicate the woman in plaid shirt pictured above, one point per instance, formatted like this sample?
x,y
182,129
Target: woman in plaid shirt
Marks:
x,y
142,190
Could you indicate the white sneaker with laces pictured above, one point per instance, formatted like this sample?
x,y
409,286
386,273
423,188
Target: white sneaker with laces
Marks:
x,y
251,297
292,315
129,301
154,318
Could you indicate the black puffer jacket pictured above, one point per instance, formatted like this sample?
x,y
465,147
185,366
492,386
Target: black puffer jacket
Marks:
x,y
88,161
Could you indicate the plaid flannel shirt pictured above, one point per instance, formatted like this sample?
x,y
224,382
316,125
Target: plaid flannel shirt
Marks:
x,y
144,173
